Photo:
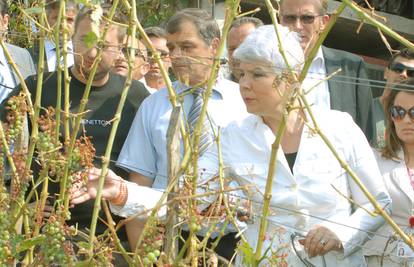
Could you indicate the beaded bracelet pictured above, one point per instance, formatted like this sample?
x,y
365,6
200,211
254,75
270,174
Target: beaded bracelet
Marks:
x,y
122,196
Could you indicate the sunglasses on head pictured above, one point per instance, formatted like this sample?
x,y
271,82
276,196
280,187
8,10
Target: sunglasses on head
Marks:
x,y
400,68
304,19
398,113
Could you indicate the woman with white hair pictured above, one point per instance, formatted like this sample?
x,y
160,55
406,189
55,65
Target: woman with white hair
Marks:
x,y
312,222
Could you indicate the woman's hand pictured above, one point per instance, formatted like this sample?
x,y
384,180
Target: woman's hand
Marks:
x,y
111,190
320,240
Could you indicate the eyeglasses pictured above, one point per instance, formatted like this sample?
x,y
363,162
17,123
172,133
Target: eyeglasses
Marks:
x,y
398,113
400,68
137,52
304,19
163,54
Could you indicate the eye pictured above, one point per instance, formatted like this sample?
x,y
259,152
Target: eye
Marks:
x,y
259,74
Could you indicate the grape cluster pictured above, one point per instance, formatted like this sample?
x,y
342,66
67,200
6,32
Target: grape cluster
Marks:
x,y
152,242
44,143
14,117
6,256
53,248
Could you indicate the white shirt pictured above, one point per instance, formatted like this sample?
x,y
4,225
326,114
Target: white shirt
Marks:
x,y
246,149
50,51
318,95
145,149
8,82
149,88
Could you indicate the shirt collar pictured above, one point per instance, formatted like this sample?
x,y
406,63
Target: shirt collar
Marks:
x,y
50,45
319,60
217,88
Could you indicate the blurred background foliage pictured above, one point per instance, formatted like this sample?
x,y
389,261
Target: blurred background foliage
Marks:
x,y
150,13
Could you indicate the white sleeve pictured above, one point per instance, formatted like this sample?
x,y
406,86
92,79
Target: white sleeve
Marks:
x,y
359,224
140,199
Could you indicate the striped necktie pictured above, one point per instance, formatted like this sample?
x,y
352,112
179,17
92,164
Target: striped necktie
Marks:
x,y
206,137
4,91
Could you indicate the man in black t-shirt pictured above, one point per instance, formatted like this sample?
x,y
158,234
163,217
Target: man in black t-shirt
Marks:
x,y
103,100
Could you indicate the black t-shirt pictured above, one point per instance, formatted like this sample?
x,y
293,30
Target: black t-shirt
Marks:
x,y
101,107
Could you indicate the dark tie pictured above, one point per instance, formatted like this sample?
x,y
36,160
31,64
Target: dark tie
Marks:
x,y
206,138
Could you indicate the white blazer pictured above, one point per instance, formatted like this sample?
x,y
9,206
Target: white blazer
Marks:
x,y
402,194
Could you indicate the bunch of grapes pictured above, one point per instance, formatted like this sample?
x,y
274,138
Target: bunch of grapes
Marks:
x,y
44,142
152,242
6,257
16,108
54,247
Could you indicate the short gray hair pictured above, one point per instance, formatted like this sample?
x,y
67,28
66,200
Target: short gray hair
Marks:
x,y
246,20
261,45
205,24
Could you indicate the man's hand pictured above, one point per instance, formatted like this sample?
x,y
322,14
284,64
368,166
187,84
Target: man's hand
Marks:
x,y
81,192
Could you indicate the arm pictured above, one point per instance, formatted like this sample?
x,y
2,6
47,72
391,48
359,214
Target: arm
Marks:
x,y
359,223
134,227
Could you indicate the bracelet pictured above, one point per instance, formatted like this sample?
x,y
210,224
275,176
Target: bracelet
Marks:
x,y
122,196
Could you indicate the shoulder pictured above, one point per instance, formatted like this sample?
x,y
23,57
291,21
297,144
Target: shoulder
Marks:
x,y
14,49
341,55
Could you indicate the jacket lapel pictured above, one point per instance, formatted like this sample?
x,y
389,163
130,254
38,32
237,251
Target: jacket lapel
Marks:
x,y
399,177
334,84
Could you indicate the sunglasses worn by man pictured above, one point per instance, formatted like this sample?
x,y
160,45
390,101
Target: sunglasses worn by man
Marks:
x,y
400,68
398,113
304,19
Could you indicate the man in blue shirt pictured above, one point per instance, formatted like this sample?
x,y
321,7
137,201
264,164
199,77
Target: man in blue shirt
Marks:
x,y
193,39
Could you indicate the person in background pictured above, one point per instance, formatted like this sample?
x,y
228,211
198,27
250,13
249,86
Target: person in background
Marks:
x,y
349,90
20,56
105,94
52,13
399,69
193,38
139,65
153,78
239,30
396,162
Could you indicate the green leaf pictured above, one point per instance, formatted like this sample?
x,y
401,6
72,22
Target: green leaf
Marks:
x,y
34,10
248,254
29,243
90,39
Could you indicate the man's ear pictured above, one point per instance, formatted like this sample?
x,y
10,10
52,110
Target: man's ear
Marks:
x,y
325,20
145,68
214,45
5,21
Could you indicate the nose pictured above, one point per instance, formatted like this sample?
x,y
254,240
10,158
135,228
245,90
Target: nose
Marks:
x,y
297,25
244,82
403,75
91,52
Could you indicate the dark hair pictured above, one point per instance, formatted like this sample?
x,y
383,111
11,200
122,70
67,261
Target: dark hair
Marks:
x,y
323,6
86,12
392,142
4,7
156,32
246,20
405,53
207,27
